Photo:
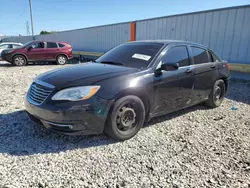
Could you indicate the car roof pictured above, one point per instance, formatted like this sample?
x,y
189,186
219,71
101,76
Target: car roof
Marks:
x,y
166,42
9,43
50,41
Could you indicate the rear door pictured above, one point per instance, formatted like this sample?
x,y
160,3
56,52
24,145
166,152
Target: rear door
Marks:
x,y
205,72
52,50
173,89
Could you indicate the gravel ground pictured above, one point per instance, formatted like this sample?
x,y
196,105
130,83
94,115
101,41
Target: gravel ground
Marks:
x,y
196,147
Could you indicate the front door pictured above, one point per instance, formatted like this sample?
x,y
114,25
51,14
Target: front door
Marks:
x,y
173,89
36,52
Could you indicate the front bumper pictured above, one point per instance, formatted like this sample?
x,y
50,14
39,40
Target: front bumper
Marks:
x,y
71,118
7,57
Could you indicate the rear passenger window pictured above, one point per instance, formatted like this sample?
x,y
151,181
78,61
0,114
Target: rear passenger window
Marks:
x,y
61,45
51,45
16,46
178,54
199,55
214,56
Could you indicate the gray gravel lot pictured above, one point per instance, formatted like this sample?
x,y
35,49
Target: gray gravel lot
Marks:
x,y
196,147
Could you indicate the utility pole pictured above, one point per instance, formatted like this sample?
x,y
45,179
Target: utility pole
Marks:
x,y
31,18
27,28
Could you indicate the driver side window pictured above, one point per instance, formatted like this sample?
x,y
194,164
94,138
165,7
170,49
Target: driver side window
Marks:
x,y
37,45
177,54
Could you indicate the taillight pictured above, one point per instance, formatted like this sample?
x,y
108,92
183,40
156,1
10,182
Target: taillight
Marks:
x,y
228,65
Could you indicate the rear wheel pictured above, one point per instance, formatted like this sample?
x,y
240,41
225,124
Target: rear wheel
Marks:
x,y
126,118
19,60
61,60
217,94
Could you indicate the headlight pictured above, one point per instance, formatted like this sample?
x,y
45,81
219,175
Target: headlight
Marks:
x,y
76,93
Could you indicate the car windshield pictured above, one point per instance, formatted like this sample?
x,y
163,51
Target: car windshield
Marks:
x,y
136,55
27,43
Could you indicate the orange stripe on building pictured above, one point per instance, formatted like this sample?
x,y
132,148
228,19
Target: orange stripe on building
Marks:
x,y
132,31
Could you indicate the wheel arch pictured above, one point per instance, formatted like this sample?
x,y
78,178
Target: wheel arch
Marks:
x,y
226,80
63,55
21,55
138,93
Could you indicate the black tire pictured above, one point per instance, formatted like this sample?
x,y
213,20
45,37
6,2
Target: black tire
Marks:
x,y
217,94
125,118
61,60
19,60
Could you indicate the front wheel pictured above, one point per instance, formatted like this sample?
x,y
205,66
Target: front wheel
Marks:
x,y
19,60
217,94
126,118
61,60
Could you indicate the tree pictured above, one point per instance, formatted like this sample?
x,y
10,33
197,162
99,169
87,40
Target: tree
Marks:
x,y
46,32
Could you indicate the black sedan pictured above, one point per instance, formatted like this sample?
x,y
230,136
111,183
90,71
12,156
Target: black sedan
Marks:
x,y
128,85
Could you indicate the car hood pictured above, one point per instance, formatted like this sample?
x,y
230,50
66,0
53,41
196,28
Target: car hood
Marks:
x,y
83,74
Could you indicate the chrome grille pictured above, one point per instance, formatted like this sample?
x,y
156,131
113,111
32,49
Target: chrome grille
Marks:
x,y
38,92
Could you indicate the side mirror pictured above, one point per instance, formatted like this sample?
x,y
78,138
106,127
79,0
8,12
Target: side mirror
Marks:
x,y
30,47
169,66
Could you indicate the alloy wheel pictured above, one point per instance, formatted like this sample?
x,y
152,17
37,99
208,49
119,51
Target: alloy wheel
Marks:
x,y
61,60
19,61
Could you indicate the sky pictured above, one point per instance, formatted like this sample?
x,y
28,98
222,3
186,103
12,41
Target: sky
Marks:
x,y
61,15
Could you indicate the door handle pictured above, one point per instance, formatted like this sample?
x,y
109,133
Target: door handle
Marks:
x,y
212,66
188,71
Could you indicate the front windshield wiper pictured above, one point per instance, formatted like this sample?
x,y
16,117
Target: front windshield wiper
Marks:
x,y
111,62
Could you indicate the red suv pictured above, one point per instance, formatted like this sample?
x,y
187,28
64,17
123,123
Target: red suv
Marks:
x,y
35,51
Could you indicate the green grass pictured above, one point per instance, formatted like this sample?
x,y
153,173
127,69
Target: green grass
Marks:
x,y
97,54
240,67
